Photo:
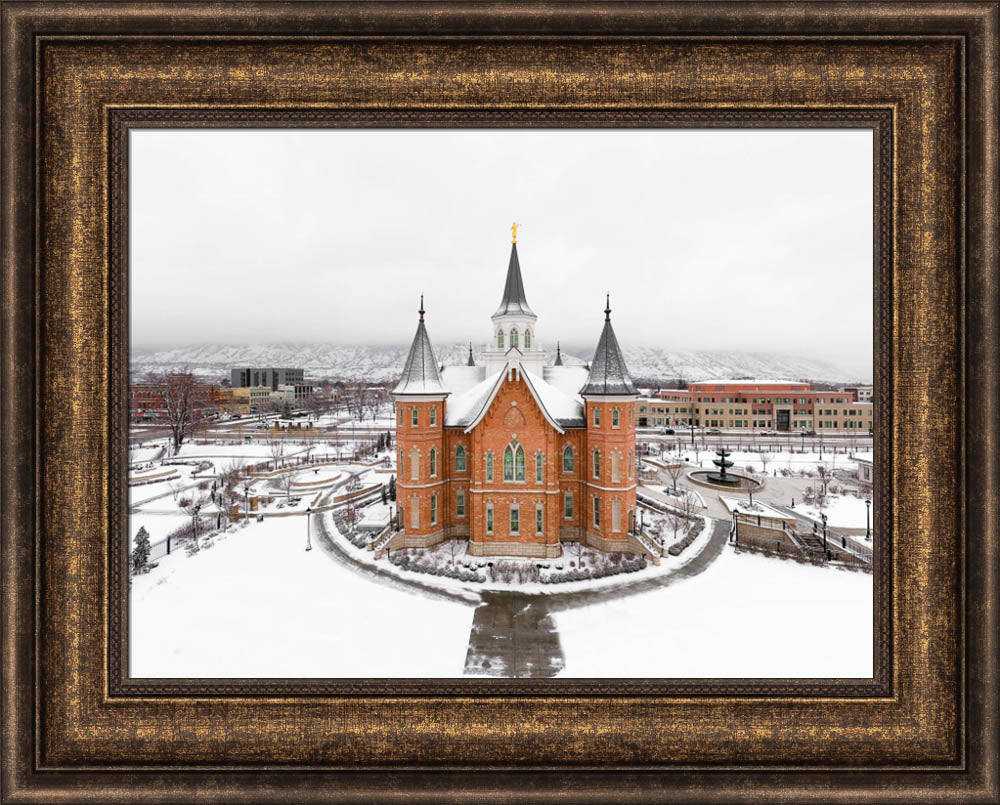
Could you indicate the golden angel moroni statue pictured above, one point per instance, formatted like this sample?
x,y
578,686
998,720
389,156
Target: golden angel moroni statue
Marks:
x,y
513,232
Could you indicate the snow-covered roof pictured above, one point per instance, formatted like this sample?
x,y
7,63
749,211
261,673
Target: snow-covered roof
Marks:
x,y
420,373
558,400
458,379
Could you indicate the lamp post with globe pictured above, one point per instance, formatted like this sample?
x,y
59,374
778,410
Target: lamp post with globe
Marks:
x,y
868,520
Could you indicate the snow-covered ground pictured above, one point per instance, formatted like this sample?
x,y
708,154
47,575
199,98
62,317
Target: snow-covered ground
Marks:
x,y
842,511
256,603
744,616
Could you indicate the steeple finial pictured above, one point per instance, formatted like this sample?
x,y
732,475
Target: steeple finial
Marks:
x,y
471,362
513,232
558,355
607,308
421,311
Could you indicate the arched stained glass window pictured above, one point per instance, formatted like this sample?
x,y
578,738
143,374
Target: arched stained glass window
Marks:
x,y
527,339
489,466
499,339
508,464
513,338
568,459
434,462
597,463
460,459
519,464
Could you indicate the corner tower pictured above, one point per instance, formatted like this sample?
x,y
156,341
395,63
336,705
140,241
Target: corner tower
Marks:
x,y
420,406
513,337
609,397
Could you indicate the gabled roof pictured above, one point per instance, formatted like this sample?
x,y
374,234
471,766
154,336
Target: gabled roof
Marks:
x,y
514,300
608,372
421,374
560,409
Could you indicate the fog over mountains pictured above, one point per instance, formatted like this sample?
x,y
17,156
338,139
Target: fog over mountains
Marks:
x,y
384,363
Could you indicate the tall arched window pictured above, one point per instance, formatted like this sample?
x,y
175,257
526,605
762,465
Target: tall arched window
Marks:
x,y
568,459
499,339
513,338
513,462
538,467
527,339
460,459
597,463
434,462
489,467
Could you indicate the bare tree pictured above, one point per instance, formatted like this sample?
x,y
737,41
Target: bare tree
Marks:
x,y
287,482
689,502
454,547
765,459
276,446
193,506
825,476
183,408
675,522
674,469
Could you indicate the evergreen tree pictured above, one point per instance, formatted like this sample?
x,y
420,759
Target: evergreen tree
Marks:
x,y
286,410
385,495
392,487
140,556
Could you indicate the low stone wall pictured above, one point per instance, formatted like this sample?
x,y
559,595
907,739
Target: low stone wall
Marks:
x,y
537,550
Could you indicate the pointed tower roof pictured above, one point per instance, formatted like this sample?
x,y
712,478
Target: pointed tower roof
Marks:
x,y
421,374
558,356
514,300
471,362
608,372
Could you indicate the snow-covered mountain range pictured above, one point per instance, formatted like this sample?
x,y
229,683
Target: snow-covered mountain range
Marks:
x,y
384,363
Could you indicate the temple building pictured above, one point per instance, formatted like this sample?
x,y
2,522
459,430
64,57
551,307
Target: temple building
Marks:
x,y
514,455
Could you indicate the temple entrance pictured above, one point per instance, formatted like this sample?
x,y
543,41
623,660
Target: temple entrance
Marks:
x,y
782,419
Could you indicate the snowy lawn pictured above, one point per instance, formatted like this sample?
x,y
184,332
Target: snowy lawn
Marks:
x,y
842,511
256,604
744,616
796,462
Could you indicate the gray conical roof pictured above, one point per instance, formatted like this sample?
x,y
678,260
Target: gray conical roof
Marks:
x,y
514,300
420,374
470,362
608,372
558,356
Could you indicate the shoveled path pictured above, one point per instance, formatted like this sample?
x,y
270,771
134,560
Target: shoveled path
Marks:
x,y
513,634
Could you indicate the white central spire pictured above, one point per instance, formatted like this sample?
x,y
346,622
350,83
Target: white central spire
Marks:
x,y
513,337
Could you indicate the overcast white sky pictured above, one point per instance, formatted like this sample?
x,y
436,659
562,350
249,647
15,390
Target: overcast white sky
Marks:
x,y
736,240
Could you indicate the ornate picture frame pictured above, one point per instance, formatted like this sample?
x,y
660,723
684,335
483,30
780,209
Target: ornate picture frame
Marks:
x,y
77,77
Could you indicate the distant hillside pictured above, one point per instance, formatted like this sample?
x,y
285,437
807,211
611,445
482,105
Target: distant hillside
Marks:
x,y
384,363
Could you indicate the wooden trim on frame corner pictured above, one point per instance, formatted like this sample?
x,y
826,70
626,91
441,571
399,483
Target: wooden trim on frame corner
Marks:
x,y
975,776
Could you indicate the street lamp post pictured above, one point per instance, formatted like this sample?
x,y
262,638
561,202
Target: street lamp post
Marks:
x,y
868,520
736,527
309,545
194,514
823,518
246,502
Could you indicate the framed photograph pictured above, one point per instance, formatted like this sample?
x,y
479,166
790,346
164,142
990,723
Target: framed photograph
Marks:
x,y
519,402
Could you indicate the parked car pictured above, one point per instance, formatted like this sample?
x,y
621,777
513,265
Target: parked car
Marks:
x,y
667,431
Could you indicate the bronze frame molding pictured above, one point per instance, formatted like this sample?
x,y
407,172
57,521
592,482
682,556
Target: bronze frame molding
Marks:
x,y
75,730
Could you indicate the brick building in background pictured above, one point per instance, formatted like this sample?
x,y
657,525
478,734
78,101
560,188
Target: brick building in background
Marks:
x,y
513,455
757,404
